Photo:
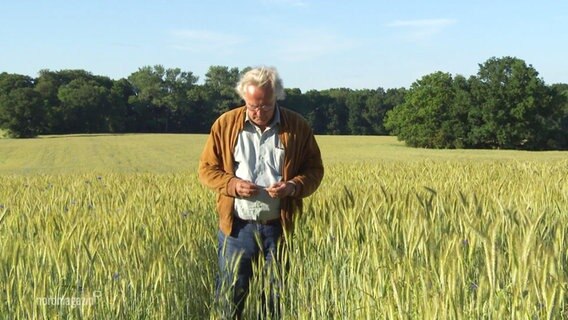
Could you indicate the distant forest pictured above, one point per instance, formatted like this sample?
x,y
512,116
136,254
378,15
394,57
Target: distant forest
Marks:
x,y
506,105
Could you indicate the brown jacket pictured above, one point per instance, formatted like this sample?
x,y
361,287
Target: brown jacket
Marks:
x,y
302,163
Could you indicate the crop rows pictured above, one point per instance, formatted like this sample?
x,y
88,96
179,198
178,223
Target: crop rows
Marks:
x,y
397,240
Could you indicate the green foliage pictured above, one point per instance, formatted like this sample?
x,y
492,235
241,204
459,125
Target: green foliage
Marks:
x,y
121,117
355,103
85,106
21,113
560,133
377,104
75,115
506,106
220,82
159,93
427,115
156,99
514,108
10,81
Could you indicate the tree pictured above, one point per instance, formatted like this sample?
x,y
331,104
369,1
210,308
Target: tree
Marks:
x,y
316,116
11,81
295,100
120,116
514,108
21,108
505,106
426,118
559,134
374,111
48,85
85,106
356,104
392,98
201,116
220,83
148,98
158,92
334,103
21,112
178,85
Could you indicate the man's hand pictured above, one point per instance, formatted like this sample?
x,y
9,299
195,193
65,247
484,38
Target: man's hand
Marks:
x,y
280,189
246,189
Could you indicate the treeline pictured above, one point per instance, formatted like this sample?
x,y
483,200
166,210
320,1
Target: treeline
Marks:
x,y
159,100
506,105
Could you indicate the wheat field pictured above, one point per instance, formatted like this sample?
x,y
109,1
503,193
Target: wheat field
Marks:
x,y
118,227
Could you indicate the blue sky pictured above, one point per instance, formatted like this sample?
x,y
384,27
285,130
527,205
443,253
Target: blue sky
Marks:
x,y
315,44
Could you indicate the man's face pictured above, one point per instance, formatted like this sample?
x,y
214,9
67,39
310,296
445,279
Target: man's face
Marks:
x,y
260,104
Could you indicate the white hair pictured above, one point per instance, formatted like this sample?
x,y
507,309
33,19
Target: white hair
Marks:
x,y
261,77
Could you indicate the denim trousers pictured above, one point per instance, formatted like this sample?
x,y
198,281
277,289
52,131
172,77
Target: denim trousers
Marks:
x,y
237,253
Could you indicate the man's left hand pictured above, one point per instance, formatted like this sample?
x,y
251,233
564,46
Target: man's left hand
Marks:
x,y
280,189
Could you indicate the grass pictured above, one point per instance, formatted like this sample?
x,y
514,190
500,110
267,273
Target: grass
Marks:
x,y
100,153
118,226
170,153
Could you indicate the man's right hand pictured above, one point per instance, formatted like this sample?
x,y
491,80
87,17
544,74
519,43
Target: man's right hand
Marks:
x,y
246,189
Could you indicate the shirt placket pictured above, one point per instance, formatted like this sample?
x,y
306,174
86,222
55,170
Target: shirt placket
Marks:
x,y
260,164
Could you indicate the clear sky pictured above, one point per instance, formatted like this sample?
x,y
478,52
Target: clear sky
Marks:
x,y
315,44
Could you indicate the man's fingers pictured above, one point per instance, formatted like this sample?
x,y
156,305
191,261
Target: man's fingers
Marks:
x,y
246,188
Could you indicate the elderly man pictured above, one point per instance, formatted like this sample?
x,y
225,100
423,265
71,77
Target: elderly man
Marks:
x,y
261,159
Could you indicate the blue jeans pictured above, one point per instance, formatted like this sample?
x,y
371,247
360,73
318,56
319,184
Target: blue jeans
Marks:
x,y
237,253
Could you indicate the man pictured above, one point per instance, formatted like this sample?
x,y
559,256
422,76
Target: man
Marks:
x,y
261,159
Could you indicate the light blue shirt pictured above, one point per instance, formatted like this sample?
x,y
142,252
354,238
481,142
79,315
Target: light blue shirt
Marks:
x,y
259,158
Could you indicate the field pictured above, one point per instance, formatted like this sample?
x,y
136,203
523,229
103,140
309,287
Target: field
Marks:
x,y
117,226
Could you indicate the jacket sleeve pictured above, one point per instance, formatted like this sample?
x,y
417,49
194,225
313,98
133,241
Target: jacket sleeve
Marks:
x,y
212,163
310,171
